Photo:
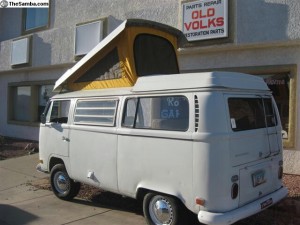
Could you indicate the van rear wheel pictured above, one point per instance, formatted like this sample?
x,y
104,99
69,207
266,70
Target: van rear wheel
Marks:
x,y
161,210
62,185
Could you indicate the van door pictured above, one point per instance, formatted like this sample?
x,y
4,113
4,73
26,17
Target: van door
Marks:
x,y
55,132
253,133
155,150
93,146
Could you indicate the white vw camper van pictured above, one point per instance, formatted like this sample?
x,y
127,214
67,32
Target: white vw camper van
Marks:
x,y
126,121
209,142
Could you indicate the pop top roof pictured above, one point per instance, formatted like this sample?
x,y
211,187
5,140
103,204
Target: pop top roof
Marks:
x,y
118,59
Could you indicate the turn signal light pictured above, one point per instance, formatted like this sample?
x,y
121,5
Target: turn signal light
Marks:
x,y
200,201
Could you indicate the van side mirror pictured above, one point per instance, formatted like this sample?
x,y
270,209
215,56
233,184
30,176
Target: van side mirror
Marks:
x,y
43,118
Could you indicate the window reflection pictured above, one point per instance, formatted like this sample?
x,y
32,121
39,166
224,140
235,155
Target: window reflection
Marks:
x,y
279,84
36,18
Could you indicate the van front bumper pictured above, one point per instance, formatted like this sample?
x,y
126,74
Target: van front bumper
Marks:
x,y
39,168
243,212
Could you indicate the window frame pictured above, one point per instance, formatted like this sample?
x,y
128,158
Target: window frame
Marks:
x,y
32,30
261,100
94,123
111,59
34,102
58,120
78,55
291,71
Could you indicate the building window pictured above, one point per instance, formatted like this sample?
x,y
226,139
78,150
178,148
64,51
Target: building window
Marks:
x,y
27,102
282,82
35,18
20,51
21,103
87,36
279,84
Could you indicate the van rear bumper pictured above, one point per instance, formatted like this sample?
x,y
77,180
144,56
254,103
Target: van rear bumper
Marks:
x,y
243,212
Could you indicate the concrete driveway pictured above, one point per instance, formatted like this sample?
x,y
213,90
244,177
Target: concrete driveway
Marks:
x,y
21,203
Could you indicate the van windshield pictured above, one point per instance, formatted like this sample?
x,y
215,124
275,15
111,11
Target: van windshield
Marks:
x,y
251,113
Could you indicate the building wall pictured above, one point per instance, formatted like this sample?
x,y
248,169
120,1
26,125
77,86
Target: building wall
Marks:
x,y
263,21
264,38
56,45
52,51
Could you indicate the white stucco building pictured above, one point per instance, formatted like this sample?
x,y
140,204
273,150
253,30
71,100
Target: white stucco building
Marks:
x,y
38,46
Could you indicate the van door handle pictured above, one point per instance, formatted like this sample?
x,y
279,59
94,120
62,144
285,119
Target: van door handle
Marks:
x,y
65,138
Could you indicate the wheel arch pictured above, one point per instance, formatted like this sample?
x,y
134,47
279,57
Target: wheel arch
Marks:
x,y
54,161
142,191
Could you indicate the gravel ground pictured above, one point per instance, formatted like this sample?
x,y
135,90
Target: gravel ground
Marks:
x,y
287,212
11,147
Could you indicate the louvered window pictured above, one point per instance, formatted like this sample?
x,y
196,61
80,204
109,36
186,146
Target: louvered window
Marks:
x,y
96,112
196,113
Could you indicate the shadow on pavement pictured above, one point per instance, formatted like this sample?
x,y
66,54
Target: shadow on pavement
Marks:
x,y
114,202
13,215
287,212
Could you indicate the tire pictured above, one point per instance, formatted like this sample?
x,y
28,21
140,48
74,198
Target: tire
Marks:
x,y
161,210
62,185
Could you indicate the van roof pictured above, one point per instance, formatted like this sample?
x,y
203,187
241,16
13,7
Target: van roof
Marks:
x,y
227,80
200,80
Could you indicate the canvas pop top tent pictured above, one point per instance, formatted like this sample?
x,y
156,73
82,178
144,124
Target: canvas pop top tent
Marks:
x,y
135,48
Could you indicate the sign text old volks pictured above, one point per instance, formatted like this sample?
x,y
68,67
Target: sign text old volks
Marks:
x,y
205,19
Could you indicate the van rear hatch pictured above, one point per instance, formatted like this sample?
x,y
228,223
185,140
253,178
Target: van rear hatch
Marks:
x,y
255,144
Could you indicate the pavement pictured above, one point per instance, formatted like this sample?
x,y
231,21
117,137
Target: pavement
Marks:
x,y
24,204
21,203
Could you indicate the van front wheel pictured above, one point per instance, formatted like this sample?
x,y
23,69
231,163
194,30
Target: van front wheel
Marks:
x,y
161,210
62,185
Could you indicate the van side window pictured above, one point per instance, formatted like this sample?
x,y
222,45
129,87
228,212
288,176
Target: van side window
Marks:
x,y
158,113
251,113
129,113
96,112
59,112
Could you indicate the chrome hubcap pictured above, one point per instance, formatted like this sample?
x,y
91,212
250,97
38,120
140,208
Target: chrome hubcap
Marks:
x,y
160,211
61,182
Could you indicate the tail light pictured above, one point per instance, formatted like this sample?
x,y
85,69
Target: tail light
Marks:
x,y
234,190
280,170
